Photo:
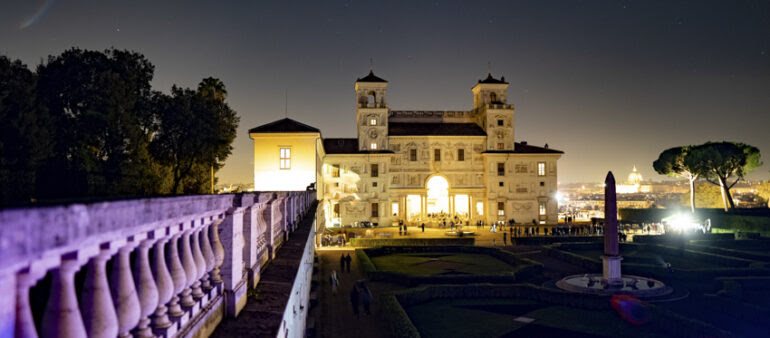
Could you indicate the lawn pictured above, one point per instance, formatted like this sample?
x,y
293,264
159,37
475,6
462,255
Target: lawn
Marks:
x,y
496,317
437,263
650,257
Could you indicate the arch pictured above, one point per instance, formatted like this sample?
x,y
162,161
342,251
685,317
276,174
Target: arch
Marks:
x,y
373,95
437,200
492,97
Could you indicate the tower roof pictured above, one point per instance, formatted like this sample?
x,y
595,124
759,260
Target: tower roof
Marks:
x,y
285,125
371,78
492,80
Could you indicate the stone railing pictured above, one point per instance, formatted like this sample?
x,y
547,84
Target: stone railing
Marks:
x,y
164,267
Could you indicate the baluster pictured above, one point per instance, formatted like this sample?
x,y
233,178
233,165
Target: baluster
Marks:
x,y
62,315
96,303
146,289
164,283
25,324
124,292
208,255
190,270
178,276
200,263
219,252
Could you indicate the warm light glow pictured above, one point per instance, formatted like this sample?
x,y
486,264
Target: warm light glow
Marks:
x,y
413,206
682,222
461,205
480,208
438,195
394,209
373,146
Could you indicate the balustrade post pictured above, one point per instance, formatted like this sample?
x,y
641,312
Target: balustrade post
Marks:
x,y
250,253
25,324
164,283
232,268
200,263
178,276
191,272
62,315
123,292
96,304
146,289
219,252
208,256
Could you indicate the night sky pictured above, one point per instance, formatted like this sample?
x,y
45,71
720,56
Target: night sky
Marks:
x,y
612,83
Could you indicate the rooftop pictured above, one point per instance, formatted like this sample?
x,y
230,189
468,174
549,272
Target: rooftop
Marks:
x,y
435,129
285,125
371,78
348,146
491,79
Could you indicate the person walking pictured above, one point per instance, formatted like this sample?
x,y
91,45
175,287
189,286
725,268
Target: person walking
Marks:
x,y
366,296
354,296
505,237
423,227
334,281
342,263
347,261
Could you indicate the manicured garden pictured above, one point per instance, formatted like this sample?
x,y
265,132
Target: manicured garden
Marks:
x,y
441,263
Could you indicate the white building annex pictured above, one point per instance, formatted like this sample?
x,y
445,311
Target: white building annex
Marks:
x,y
416,166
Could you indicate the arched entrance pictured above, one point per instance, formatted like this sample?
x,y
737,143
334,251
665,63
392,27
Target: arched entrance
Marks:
x,y
437,195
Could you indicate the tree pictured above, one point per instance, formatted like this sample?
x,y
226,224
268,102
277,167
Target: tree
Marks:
x,y
99,102
679,162
195,131
706,196
24,132
212,88
722,161
763,190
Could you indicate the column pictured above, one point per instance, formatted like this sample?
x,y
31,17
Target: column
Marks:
x,y
208,256
191,271
219,252
232,268
200,263
164,283
62,315
25,324
178,276
124,292
146,289
98,310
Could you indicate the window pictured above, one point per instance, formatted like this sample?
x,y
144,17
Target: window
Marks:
x,y
374,184
542,208
375,170
336,210
499,122
500,146
373,122
394,208
501,169
373,146
413,155
542,184
461,154
500,208
375,210
540,168
521,168
500,184
335,170
285,158
437,155
336,184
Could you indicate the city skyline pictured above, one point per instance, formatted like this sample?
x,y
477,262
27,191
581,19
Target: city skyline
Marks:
x,y
612,84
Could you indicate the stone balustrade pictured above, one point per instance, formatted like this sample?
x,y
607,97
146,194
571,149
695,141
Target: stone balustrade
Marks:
x,y
172,266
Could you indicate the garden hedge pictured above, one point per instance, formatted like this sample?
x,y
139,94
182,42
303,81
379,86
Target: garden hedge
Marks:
x,y
378,242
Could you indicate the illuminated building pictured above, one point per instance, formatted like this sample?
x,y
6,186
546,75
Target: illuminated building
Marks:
x,y
421,166
634,184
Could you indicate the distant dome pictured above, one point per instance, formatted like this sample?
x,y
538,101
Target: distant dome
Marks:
x,y
634,177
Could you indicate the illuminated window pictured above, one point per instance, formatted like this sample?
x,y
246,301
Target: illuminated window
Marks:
x,y
375,210
437,155
540,168
501,169
335,170
499,122
480,208
285,158
461,154
373,122
500,208
413,155
373,146
542,208
500,146
375,170
394,209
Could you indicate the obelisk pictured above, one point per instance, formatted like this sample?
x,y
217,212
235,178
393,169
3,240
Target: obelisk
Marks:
x,y
611,258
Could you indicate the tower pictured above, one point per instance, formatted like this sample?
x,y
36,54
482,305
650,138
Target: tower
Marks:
x,y
371,113
494,114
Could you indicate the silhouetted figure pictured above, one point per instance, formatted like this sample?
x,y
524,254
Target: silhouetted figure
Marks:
x,y
347,262
505,238
342,263
366,296
423,227
354,296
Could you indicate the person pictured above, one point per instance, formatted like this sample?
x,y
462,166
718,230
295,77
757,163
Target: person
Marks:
x,y
354,295
399,230
404,229
334,281
510,232
347,261
342,263
505,241
669,269
423,227
494,241
451,226
366,296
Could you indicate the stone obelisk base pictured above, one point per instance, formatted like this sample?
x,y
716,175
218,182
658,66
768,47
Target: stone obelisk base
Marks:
x,y
611,269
